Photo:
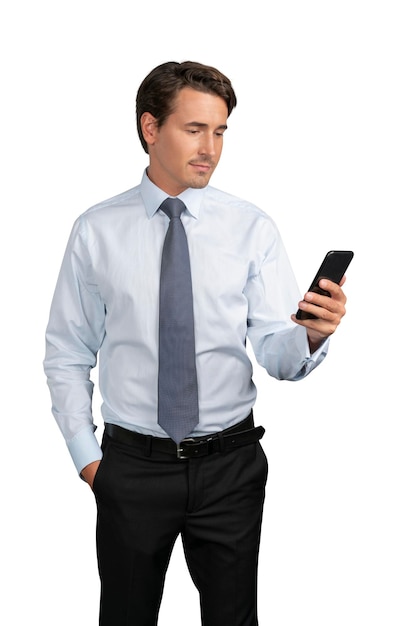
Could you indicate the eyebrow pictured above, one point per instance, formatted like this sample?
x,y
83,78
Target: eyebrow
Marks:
x,y
202,125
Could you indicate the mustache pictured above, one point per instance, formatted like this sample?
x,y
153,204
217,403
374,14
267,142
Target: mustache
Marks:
x,y
204,160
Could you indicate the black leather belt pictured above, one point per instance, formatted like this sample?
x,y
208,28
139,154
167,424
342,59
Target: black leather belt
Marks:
x,y
242,434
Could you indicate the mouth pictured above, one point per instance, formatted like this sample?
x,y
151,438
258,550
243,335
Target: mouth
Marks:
x,y
202,167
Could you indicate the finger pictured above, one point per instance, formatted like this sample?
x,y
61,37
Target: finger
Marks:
x,y
334,289
321,328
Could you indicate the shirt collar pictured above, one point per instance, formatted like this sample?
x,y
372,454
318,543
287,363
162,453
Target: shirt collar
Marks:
x,y
153,196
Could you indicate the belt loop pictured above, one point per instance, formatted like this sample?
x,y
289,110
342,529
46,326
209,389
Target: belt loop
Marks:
x,y
148,446
221,441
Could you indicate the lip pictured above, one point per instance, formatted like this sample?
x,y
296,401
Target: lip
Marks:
x,y
201,167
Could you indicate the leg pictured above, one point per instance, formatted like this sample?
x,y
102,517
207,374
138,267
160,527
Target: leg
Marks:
x,y
141,506
222,533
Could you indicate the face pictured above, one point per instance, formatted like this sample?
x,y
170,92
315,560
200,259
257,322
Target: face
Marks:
x,y
185,150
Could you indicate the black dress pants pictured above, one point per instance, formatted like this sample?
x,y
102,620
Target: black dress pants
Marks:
x,y
144,502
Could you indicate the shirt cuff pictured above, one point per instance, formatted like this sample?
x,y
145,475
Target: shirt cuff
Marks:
x,y
314,359
84,448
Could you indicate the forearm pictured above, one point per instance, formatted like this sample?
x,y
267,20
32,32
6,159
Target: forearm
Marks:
x,y
67,365
72,409
286,355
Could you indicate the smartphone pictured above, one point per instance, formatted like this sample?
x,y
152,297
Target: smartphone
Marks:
x,y
333,267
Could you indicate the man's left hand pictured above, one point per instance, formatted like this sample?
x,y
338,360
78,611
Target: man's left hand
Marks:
x,y
328,311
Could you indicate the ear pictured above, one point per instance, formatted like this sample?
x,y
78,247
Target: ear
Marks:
x,y
148,124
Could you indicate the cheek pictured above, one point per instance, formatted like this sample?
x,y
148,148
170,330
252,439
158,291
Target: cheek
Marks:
x,y
218,153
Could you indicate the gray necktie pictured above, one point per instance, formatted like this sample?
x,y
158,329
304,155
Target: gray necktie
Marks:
x,y
178,396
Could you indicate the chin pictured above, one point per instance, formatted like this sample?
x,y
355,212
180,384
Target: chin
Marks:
x,y
199,182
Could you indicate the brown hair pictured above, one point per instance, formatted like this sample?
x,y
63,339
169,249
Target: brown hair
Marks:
x,y
158,91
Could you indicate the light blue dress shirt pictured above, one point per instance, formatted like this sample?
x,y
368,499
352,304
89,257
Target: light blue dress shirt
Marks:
x,y
106,304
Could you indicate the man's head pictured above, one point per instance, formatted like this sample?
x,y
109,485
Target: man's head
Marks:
x,y
182,110
158,91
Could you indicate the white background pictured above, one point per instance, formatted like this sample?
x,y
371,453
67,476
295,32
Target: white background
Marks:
x,y
319,141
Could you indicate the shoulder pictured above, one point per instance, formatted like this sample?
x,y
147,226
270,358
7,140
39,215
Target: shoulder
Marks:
x,y
103,215
230,200
103,218
237,208
124,200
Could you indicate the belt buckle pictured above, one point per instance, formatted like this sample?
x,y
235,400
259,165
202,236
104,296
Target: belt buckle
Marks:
x,y
180,451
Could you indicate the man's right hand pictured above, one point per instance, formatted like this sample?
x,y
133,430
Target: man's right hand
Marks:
x,y
89,471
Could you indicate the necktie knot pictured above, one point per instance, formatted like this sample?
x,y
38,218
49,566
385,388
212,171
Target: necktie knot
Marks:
x,y
173,207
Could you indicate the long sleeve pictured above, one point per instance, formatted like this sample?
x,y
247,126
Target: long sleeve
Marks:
x,y
280,345
74,335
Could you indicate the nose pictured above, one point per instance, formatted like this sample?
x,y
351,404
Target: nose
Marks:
x,y
207,145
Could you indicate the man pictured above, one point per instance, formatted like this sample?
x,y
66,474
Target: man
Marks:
x,y
207,483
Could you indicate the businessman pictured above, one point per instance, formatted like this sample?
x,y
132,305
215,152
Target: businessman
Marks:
x,y
164,284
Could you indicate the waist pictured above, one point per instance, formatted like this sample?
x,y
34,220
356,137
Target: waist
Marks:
x,y
129,394
243,433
